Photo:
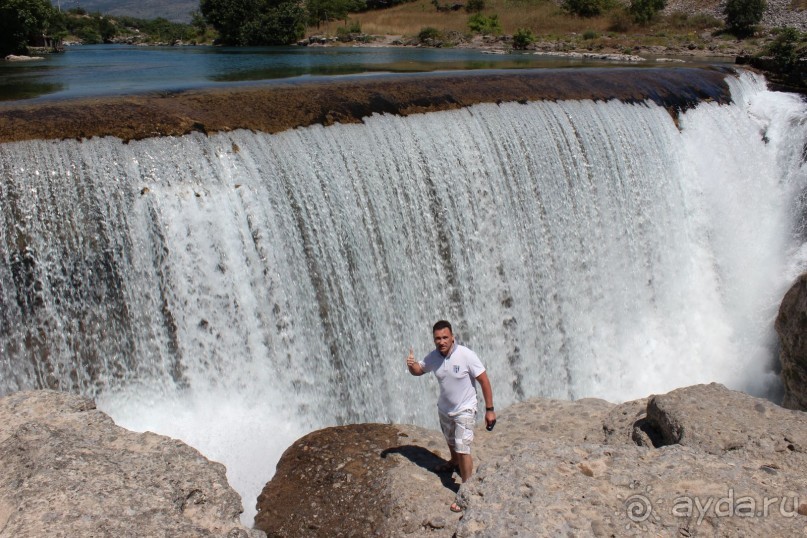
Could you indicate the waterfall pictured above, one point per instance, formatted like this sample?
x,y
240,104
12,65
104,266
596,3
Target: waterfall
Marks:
x,y
241,289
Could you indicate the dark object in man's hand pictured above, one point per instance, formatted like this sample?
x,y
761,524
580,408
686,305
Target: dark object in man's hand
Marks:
x,y
489,427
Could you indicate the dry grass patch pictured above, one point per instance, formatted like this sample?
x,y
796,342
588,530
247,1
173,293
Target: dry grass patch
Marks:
x,y
798,5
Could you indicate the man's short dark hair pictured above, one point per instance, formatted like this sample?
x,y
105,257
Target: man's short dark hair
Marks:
x,y
442,324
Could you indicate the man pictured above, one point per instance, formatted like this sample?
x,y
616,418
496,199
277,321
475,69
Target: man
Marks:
x,y
457,369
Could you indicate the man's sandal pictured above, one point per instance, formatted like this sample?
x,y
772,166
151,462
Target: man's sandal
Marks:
x,y
455,507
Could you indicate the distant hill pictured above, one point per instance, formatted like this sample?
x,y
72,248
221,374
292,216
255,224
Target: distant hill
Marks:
x,y
173,10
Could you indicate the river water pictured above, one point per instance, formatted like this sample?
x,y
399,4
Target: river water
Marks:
x,y
95,70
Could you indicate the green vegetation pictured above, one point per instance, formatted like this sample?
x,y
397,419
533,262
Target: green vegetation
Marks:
x,y
255,22
429,32
23,22
485,25
523,38
326,10
92,28
644,11
348,31
586,8
742,16
279,22
787,49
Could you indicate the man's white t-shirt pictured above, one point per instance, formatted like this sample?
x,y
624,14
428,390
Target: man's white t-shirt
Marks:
x,y
456,373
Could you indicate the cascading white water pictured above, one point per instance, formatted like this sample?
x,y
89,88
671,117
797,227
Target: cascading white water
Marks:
x,y
239,290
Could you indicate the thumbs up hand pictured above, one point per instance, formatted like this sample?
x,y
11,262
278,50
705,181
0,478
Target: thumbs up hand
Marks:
x,y
410,360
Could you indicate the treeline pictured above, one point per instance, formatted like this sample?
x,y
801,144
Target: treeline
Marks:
x,y
277,22
25,23
93,28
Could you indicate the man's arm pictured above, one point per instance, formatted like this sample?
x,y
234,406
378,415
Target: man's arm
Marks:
x,y
414,366
487,394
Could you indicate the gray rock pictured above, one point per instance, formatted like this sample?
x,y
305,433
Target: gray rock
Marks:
x,y
722,458
68,470
711,462
791,324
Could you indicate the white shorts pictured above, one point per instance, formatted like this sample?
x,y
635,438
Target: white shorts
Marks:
x,y
459,429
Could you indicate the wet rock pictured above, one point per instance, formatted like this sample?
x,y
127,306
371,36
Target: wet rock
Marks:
x,y
791,325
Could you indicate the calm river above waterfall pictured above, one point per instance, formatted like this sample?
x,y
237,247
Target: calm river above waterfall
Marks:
x,y
95,70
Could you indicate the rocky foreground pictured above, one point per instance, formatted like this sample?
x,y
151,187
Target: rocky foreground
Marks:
x,y
698,461
66,470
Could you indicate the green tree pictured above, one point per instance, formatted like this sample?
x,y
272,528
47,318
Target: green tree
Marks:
x,y
644,11
785,48
255,22
332,10
228,16
198,22
278,25
21,21
743,15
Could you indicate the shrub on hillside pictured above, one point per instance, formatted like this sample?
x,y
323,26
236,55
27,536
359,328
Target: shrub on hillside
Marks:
x,y
346,32
742,16
429,32
644,11
383,4
485,25
523,38
586,8
787,48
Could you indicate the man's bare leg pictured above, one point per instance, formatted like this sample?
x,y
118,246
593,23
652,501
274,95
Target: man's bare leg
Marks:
x,y
466,465
454,461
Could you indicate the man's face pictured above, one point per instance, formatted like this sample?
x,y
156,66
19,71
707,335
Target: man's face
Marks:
x,y
443,340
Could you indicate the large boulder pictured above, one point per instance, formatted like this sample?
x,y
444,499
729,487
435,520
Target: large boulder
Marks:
x,y
701,460
791,324
68,470
698,461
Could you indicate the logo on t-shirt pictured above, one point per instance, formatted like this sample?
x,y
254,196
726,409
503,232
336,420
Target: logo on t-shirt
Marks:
x,y
456,368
